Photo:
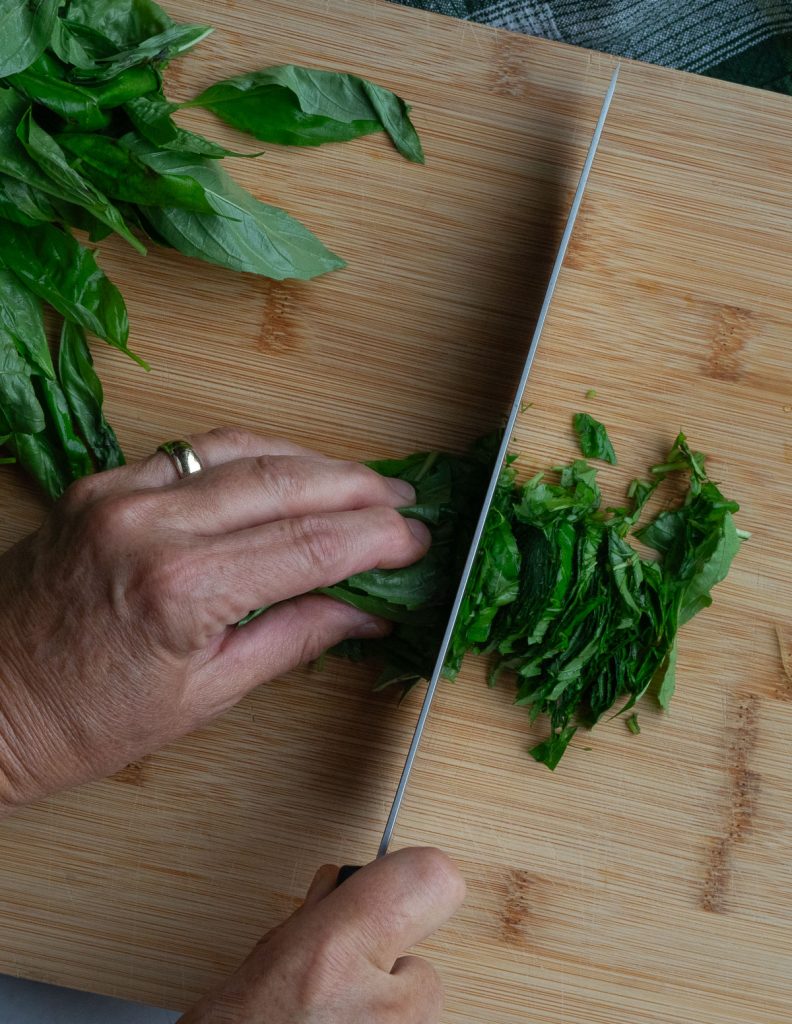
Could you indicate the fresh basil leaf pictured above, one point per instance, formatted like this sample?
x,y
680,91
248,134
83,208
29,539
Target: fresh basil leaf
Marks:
x,y
122,175
23,204
553,749
84,394
68,46
243,234
393,113
6,460
152,117
21,317
77,106
38,457
124,22
25,31
20,409
62,430
593,438
308,107
157,50
64,273
126,87
42,148
14,160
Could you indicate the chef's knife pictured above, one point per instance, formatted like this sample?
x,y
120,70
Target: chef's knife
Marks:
x,y
437,672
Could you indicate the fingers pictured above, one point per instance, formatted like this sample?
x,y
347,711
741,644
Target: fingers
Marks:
x,y
290,634
392,904
418,986
214,448
248,492
323,883
268,564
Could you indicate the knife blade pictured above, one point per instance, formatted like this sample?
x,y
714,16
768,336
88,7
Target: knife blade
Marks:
x,y
496,471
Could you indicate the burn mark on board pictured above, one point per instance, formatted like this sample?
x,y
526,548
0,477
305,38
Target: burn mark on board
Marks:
x,y
509,66
279,332
730,332
518,899
784,690
743,793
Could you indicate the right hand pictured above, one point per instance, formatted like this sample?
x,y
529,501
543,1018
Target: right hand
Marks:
x,y
338,959
117,633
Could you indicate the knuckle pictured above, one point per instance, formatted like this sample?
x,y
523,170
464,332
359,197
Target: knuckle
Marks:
x,y
284,478
394,528
234,437
81,493
320,543
110,521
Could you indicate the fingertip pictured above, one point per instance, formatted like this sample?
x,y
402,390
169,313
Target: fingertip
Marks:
x,y
322,884
420,531
436,872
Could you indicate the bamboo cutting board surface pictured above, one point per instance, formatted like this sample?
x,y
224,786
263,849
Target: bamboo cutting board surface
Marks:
x,y
648,880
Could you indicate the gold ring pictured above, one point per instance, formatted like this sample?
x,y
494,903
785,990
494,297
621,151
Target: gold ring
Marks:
x,y
183,456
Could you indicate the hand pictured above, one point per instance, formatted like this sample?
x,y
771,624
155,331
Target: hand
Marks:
x,y
117,633
338,960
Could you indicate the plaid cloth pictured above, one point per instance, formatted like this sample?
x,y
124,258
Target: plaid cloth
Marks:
x,y
747,41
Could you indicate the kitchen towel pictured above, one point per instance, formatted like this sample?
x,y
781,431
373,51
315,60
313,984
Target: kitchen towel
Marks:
x,y
747,41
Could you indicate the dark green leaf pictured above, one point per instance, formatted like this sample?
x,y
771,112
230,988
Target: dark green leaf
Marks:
x,y
152,117
85,397
14,160
38,457
307,107
64,273
243,234
552,749
42,148
120,174
77,106
593,438
156,50
23,204
21,318
62,430
76,45
124,22
25,30
20,409
126,87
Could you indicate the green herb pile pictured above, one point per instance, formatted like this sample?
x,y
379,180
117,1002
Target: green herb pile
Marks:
x,y
560,599
88,142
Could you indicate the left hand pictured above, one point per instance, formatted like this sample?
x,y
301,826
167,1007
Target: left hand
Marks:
x,y
117,629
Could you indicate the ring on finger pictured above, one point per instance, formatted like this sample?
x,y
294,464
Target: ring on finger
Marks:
x,y
183,456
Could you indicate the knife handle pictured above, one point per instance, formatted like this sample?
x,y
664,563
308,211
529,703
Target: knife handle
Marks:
x,y
345,872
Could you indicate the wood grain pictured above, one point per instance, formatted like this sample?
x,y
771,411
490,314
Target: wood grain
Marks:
x,y
649,879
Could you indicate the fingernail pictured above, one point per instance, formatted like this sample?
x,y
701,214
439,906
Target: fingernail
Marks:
x,y
420,531
369,629
405,491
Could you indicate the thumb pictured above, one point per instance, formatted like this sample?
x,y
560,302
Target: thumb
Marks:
x,y
392,904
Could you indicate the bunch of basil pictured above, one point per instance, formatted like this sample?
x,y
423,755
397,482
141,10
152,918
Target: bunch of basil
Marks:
x,y
88,142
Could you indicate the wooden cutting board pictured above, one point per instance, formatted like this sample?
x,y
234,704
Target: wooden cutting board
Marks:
x,y
649,879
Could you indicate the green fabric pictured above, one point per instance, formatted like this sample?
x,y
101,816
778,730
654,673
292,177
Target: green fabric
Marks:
x,y
747,41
